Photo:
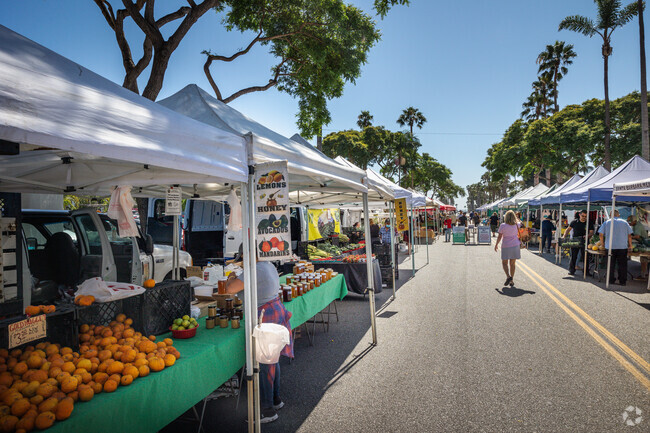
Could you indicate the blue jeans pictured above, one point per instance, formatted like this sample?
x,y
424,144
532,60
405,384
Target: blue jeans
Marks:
x,y
546,239
269,384
447,234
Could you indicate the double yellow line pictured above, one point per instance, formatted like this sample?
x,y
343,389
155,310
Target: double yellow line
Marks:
x,y
631,361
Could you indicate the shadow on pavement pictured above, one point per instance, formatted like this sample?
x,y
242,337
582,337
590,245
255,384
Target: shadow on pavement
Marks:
x,y
315,369
513,292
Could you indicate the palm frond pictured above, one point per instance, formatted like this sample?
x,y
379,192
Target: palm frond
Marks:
x,y
578,24
607,13
626,14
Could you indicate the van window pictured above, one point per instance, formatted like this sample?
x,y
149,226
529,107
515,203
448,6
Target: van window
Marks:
x,y
112,231
90,235
61,226
34,238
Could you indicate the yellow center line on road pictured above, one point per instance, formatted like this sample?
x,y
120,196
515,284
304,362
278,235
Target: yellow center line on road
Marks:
x,y
639,360
615,354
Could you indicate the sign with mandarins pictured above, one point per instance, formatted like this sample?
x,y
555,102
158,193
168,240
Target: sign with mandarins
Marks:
x,y
272,211
27,330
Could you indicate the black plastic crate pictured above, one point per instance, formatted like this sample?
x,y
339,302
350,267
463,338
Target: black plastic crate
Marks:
x,y
99,313
154,311
61,328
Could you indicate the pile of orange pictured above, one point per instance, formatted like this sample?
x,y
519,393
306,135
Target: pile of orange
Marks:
x,y
33,310
40,384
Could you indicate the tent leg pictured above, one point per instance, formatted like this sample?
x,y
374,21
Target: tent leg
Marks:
x,y
391,209
371,283
558,235
175,269
527,219
250,316
412,229
584,275
426,228
609,242
539,218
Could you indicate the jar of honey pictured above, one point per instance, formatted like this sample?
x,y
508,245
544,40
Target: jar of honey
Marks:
x,y
210,322
234,322
317,281
239,312
289,279
230,303
223,321
286,294
221,285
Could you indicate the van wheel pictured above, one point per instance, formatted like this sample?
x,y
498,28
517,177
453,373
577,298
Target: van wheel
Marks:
x,y
183,275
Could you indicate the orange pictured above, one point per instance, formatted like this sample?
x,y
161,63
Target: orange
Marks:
x,y
85,364
69,384
32,310
20,368
34,361
86,394
129,355
61,377
48,405
110,386
20,407
131,371
104,355
8,423
84,328
97,387
143,370
26,423
74,395
149,284
126,380
128,333
115,368
115,377
156,364
64,409
44,420
46,390
100,378
121,317
6,379
169,360
11,397
39,376
68,367
65,350
128,322
168,341
54,371
141,361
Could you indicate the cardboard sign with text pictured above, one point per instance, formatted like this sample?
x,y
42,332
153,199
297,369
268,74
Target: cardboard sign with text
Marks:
x,y
272,211
401,215
27,330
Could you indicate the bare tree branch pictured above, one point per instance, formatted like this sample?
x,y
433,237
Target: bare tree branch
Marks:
x,y
191,3
173,16
107,10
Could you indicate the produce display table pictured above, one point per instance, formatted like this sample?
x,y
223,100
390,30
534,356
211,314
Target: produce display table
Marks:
x,y
150,403
313,302
356,274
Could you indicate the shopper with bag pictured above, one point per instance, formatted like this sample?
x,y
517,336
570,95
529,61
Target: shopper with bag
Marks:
x,y
268,302
510,250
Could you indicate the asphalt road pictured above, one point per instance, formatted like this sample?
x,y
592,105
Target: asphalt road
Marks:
x,y
458,352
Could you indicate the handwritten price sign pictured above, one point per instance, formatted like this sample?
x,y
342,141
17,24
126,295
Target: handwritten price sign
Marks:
x,y
28,330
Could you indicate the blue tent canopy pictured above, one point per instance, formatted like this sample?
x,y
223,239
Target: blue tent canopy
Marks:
x,y
554,197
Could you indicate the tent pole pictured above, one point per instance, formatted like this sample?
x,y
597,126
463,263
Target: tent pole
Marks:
x,y
426,228
541,206
609,241
586,243
247,303
371,283
527,219
391,209
411,228
175,275
558,251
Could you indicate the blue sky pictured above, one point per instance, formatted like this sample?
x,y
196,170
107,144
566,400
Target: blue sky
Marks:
x,y
467,66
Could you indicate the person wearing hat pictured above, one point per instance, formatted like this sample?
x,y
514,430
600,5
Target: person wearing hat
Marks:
x,y
578,230
547,233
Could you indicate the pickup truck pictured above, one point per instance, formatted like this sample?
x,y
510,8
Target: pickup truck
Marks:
x,y
66,248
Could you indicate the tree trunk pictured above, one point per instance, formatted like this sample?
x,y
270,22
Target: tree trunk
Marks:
x,y
158,69
645,142
535,179
557,108
608,157
548,177
504,187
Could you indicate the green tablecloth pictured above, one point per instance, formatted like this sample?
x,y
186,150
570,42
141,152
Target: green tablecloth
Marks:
x,y
308,305
150,403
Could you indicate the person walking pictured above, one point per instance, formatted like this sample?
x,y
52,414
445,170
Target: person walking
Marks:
x,y
447,228
579,229
510,250
494,223
621,242
547,233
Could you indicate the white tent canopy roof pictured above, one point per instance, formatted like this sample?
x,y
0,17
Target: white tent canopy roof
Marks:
x,y
309,169
374,183
637,188
80,132
511,200
535,191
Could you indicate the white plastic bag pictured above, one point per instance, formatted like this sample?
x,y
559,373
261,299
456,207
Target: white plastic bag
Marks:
x,y
270,339
120,208
104,291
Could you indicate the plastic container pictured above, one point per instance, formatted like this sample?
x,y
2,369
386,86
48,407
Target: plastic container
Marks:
x,y
205,291
184,333
212,273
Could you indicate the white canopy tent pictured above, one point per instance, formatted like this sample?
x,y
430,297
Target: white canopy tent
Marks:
x,y
66,129
79,132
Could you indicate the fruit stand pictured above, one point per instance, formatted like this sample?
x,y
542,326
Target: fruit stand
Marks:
x,y
147,405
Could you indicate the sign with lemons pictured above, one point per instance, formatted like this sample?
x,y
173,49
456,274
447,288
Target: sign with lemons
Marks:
x,y
272,211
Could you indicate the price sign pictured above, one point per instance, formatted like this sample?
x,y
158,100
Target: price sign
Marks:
x,y
458,235
173,201
28,330
401,215
484,235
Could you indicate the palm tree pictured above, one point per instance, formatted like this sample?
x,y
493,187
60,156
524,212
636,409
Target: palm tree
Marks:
x,y
645,142
411,117
610,16
537,104
364,119
554,61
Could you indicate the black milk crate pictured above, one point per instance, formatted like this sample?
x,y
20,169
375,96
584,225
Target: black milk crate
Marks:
x,y
99,313
61,328
154,311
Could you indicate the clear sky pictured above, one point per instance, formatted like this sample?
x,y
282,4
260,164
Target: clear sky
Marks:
x,y
467,65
